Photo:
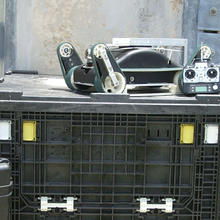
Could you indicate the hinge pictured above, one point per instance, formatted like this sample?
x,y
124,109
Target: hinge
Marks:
x,y
67,206
145,206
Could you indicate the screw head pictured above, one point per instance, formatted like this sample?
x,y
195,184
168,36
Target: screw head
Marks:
x,y
132,78
213,11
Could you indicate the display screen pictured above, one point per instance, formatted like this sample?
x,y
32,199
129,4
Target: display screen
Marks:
x,y
201,89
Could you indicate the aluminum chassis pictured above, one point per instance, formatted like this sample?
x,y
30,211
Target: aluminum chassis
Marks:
x,y
170,42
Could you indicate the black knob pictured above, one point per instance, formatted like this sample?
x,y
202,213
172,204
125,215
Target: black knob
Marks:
x,y
190,74
212,73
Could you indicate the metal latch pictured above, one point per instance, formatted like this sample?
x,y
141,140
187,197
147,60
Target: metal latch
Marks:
x,y
146,207
67,206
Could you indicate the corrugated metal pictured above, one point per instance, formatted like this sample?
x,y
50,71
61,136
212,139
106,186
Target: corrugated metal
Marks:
x,y
201,24
209,26
209,15
2,34
213,40
190,18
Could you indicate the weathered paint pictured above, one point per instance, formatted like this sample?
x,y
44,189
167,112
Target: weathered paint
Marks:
x,y
43,24
10,32
2,37
190,22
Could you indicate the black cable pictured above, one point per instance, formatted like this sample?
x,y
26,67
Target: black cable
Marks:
x,y
28,72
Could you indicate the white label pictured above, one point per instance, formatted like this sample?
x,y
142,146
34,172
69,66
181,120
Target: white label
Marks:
x,y
5,130
211,133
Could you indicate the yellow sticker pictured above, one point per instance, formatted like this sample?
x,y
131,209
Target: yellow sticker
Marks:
x,y
29,130
186,133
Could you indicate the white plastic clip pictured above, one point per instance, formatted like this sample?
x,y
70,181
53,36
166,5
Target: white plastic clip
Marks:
x,y
68,206
146,207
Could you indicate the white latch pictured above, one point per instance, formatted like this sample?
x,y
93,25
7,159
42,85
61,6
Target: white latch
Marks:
x,y
67,206
146,207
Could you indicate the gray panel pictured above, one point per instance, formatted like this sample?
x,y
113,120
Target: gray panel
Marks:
x,y
190,26
212,40
209,15
10,35
2,37
2,31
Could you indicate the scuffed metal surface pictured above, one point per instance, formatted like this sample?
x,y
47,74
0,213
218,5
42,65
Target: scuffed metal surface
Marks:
x,y
190,23
2,38
42,25
209,15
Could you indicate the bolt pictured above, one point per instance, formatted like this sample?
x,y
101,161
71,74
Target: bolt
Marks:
x,y
132,79
213,11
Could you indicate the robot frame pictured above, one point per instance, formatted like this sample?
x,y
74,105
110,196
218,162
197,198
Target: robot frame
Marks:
x,y
130,63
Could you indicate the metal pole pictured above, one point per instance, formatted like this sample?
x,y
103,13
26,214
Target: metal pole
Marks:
x,y
2,38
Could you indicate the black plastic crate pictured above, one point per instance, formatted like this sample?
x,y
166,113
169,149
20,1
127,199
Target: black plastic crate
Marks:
x,y
5,188
108,151
107,161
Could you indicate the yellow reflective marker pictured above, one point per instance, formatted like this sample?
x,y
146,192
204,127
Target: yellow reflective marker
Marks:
x,y
29,130
186,133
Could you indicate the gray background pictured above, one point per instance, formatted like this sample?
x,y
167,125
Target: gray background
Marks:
x,y
34,28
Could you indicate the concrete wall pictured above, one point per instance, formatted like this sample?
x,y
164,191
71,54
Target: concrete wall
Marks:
x,y
42,24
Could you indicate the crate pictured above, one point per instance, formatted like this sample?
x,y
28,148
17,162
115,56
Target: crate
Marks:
x,y
5,188
107,161
96,150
